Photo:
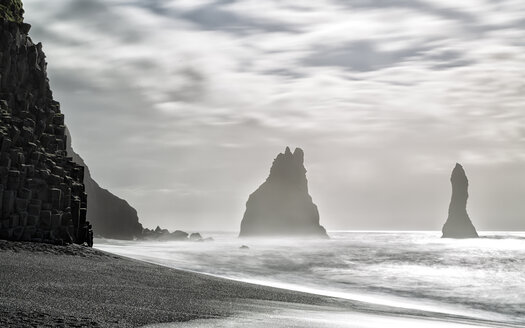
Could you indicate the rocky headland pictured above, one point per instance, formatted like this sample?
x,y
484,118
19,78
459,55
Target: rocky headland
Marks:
x,y
42,194
282,206
44,183
111,216
458,223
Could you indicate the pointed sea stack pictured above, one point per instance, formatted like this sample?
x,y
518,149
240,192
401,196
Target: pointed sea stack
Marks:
x,y
458,224
281,206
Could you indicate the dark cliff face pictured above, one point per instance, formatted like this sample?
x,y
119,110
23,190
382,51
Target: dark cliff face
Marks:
x,y
281,205
111,216
458,224
12,10
42,195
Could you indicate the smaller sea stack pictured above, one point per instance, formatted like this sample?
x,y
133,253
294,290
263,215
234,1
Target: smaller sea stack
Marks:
x,y
281,206
458,224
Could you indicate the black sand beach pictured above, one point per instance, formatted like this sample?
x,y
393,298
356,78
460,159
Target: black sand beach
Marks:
x,y
74,286
53,286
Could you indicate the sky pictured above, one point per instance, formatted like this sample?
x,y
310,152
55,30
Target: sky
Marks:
x,y
180,106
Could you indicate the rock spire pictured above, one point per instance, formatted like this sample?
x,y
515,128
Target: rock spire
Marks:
x,y
458,224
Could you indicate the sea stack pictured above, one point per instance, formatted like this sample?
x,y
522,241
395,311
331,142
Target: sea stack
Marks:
x,y
281,206
458,224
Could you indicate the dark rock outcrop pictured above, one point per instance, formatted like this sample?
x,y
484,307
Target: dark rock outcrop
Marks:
x,y
111,216
42,195
195,236
458,224
178,235
12,10
282,205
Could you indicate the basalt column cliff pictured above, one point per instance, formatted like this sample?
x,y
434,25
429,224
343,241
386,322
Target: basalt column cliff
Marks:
x,y
458,224
282,205
42,195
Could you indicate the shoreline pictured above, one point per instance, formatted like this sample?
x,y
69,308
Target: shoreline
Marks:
x,y
75,286
359,299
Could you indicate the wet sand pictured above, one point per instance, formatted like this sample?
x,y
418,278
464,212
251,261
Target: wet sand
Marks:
x,y
52,286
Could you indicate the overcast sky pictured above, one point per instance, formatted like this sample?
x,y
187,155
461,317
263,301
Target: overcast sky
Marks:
x,y
180,106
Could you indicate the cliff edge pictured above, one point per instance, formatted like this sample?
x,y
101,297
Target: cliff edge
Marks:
x,y
42,194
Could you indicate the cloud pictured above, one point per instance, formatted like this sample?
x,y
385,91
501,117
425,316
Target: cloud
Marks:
x,y
360,56
176,104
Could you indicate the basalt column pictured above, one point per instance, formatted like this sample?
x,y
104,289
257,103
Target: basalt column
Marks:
x,y
42,195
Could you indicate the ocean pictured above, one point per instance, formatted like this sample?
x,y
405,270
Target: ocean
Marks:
x,y
482,279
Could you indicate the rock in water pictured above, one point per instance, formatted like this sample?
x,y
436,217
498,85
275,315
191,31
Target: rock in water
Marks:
x,y
458,224
282,205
